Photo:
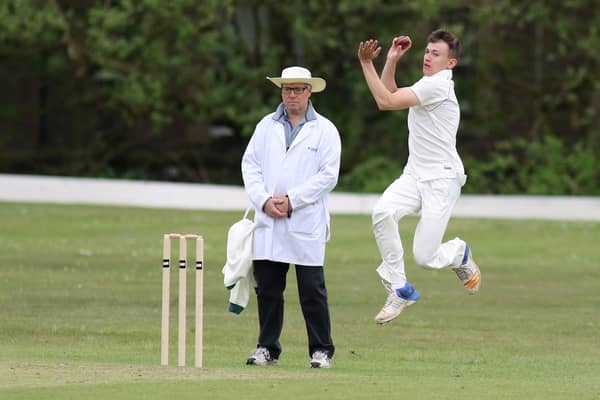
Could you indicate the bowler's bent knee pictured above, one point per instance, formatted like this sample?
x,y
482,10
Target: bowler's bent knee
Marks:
x,y
423,259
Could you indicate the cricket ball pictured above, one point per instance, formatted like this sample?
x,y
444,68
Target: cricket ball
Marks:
x,y
402,42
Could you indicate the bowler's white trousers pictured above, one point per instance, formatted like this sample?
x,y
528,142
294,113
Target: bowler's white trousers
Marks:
x,y
434,199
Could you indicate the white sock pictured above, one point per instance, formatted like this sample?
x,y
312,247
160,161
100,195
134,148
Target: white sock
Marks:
x,y
396,286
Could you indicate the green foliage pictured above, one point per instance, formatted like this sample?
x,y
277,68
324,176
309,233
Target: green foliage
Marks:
x,y
540,167
372,176
30,22
135,87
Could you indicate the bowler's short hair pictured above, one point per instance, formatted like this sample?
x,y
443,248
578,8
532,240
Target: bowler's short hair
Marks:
x,y
441,35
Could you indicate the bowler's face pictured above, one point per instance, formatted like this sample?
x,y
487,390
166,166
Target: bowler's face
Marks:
x,y
436,58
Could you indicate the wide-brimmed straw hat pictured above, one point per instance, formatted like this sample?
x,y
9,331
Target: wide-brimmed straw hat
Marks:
x,y
299,75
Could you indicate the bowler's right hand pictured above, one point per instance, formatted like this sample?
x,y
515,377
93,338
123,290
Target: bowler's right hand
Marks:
x,y
400,45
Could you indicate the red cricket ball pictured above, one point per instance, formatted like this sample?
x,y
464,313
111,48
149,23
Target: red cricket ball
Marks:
x,y
402,42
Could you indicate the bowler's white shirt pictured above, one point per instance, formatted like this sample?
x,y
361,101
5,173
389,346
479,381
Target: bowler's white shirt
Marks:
x,y
432,126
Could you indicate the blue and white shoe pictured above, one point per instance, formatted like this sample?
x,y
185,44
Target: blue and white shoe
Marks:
x,y
468,272
396,302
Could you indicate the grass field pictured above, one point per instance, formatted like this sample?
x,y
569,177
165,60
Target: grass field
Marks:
x,y
80,292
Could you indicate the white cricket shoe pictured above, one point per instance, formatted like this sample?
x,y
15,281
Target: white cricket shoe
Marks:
x,y
396,302
261,356
320,359
469,273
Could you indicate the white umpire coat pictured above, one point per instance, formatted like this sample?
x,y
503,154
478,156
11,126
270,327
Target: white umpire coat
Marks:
x,y
306,172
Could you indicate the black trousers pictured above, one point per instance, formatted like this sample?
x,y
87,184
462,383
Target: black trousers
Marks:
x,y
270,278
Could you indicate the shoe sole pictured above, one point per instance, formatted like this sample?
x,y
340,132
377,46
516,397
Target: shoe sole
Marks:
x,y
318,365
389,319
472,285
253,362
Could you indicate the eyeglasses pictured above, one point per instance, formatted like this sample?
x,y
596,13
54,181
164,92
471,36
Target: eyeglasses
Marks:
x,y
296,90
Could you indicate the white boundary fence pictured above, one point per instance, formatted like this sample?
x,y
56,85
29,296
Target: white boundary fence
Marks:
x,y
152,194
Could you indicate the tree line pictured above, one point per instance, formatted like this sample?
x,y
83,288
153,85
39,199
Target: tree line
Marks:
x,y
172,90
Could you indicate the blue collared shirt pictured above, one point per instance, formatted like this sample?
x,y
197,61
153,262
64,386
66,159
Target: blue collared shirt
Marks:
x,y
291,132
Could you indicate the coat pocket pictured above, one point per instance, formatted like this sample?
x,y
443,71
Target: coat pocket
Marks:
x,y
308,220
